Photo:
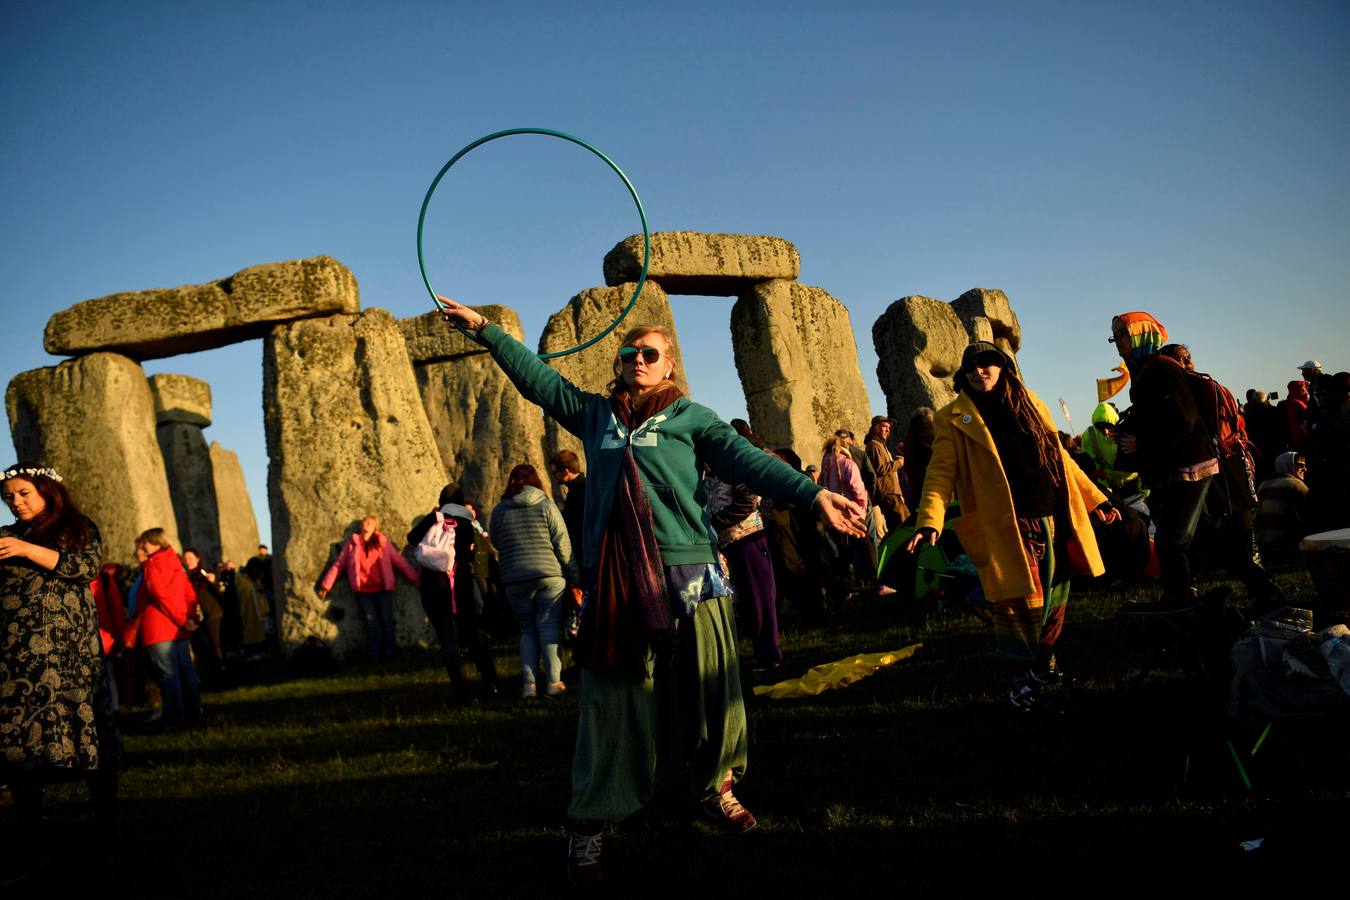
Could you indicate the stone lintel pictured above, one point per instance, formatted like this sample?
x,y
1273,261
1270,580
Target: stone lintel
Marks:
x,y
694,262
167,321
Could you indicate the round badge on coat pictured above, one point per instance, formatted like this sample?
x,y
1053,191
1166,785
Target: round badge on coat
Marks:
x,y
965,420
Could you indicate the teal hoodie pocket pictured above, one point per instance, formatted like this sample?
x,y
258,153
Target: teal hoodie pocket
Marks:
x,y
669,518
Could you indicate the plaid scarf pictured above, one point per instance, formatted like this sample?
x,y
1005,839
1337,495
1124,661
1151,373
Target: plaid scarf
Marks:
x,y
628,606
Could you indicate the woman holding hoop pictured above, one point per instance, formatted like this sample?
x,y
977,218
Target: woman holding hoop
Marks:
x,y
1024,511
657,632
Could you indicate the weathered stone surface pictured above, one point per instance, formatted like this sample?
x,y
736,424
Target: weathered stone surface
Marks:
x,y
586,315
992,306
482,425
187,462
93,420
238,523
919,342
347,436
167,321
798,363
694,262
181,398
431,340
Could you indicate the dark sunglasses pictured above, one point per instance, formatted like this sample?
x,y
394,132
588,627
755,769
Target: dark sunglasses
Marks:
x,y
629,355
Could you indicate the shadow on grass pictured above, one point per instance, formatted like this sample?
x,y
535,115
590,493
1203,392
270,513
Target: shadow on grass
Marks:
x,y
918,778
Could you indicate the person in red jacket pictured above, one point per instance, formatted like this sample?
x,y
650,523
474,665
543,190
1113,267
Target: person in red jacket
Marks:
x,y
368,559
112,618
166,614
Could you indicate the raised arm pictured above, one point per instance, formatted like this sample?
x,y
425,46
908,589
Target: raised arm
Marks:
x,y
537,381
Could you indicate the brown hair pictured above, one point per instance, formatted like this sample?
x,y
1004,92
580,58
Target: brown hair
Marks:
x,y
566,459
671,356
522,475
155,537
60,524
1011,391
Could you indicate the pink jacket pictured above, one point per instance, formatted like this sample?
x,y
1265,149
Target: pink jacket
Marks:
x,y
840,474
368,572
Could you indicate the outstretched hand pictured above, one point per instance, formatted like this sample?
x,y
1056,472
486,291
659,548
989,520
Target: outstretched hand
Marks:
x,y
920,536
461,315
841,513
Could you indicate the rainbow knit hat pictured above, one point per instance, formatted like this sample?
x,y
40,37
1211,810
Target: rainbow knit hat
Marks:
x,y
1146,333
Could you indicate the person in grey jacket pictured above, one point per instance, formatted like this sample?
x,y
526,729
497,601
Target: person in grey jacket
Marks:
x,y
536,565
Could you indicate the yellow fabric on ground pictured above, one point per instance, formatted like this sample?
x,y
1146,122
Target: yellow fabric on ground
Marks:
x,y
834,675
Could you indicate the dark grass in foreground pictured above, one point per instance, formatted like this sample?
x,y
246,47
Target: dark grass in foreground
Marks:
x,y
920,778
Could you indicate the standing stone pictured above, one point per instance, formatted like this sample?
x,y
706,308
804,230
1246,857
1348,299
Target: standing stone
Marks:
x,y
182,409
347,436
482,425
238,524
93,420
980,309
798,363
585,316
694,262
919,342
163,322
181,398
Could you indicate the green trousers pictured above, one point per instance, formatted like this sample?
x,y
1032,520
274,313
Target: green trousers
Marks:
x,y
688,718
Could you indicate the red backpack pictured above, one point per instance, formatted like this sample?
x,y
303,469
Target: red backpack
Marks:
x,y
1219,413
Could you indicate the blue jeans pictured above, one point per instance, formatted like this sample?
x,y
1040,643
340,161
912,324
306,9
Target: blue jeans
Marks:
x,y
538,607
377,612
171,666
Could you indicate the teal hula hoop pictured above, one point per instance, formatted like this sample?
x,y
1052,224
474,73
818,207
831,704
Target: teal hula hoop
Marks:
x,y
646,232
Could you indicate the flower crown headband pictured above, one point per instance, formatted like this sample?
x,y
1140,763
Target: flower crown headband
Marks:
x,y
45,472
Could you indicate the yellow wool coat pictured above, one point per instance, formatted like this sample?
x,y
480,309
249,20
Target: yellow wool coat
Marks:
x,y
965,464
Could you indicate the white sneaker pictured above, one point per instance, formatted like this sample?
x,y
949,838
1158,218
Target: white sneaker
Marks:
x,y
555,688
528,691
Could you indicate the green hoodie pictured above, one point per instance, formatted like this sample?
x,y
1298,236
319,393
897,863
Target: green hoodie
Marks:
x,y
669,448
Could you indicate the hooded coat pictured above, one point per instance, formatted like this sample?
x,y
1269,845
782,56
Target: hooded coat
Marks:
x,y
531,538
966,465
1103,451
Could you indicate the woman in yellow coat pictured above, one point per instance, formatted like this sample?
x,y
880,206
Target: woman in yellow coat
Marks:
x,y
1024,511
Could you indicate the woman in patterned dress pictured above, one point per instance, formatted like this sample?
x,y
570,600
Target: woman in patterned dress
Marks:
x,y
56,717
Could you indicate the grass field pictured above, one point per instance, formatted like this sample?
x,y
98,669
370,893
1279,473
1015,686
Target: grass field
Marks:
x,y
917,779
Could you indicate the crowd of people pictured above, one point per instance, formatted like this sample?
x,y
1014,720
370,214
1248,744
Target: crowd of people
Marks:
x,y
685,526
82,639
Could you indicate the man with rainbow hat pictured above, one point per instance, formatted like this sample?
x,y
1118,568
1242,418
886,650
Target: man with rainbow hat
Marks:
x,y
1167,442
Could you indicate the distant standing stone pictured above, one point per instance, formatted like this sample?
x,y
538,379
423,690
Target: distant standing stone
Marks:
x,y
347,436
798,363
238,522
93,419
482,425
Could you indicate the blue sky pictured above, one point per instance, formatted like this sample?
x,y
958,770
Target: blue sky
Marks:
x,y
1185,158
